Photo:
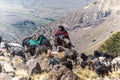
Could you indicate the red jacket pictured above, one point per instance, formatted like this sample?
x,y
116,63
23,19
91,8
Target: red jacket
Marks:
x,y
65,33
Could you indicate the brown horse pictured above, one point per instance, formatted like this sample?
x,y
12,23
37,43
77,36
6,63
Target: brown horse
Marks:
x,y
64,42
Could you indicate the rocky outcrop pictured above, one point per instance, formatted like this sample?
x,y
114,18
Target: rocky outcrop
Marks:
x,y
62,73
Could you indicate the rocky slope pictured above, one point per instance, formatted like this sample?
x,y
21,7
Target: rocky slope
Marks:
x,y
92,24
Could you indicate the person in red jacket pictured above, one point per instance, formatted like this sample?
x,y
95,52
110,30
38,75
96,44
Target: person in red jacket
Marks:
x,y
62,32
61,35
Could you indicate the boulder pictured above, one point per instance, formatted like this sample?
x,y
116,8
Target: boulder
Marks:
x,y
15,78
61,72
7,67
69,76
45,65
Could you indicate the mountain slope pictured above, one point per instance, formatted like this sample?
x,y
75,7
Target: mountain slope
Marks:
x,y
92,14
101,24
92,24
22,17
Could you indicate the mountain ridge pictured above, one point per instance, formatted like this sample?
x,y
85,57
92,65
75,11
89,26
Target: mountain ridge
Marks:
x,y
91,24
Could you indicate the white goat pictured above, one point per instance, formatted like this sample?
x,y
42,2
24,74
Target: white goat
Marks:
x,y
116,63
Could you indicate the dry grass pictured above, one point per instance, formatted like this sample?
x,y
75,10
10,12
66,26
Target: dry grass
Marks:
x,y
21,73
86,74
16,60
115,74
40,76
2,58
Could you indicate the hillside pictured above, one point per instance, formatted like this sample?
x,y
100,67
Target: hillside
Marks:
x,y
19,18
92,24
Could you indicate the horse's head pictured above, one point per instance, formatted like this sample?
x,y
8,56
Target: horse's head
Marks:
x,y
25,41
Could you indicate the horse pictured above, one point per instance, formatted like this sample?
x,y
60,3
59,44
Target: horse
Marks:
x,y
41,41
44,41
26,43
64,42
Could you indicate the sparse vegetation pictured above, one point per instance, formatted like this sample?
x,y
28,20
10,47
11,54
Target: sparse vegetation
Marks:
x,y
39,76
111,45
91,75
86,74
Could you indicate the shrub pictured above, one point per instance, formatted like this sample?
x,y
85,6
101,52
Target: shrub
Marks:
x,y
112,44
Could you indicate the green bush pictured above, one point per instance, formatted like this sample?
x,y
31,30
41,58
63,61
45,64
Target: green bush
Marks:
x,y
111,45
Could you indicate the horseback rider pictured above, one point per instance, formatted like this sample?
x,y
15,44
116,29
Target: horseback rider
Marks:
x,y
61,32
63,36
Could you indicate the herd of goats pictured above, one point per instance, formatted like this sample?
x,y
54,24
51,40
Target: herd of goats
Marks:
x,y
47,60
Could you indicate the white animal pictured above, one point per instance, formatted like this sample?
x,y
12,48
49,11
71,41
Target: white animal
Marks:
x,y
116,63
15,44
101,59
2,45
116,60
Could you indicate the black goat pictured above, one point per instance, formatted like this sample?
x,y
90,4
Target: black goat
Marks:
x,y
67,64
102,70
84,56
97,53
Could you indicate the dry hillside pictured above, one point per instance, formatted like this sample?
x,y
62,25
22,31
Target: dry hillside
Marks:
x,y
90,25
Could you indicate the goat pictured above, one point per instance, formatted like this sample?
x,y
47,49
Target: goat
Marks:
x,y
115,63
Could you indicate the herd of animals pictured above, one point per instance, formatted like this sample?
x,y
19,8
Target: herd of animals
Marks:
x,y
17,62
